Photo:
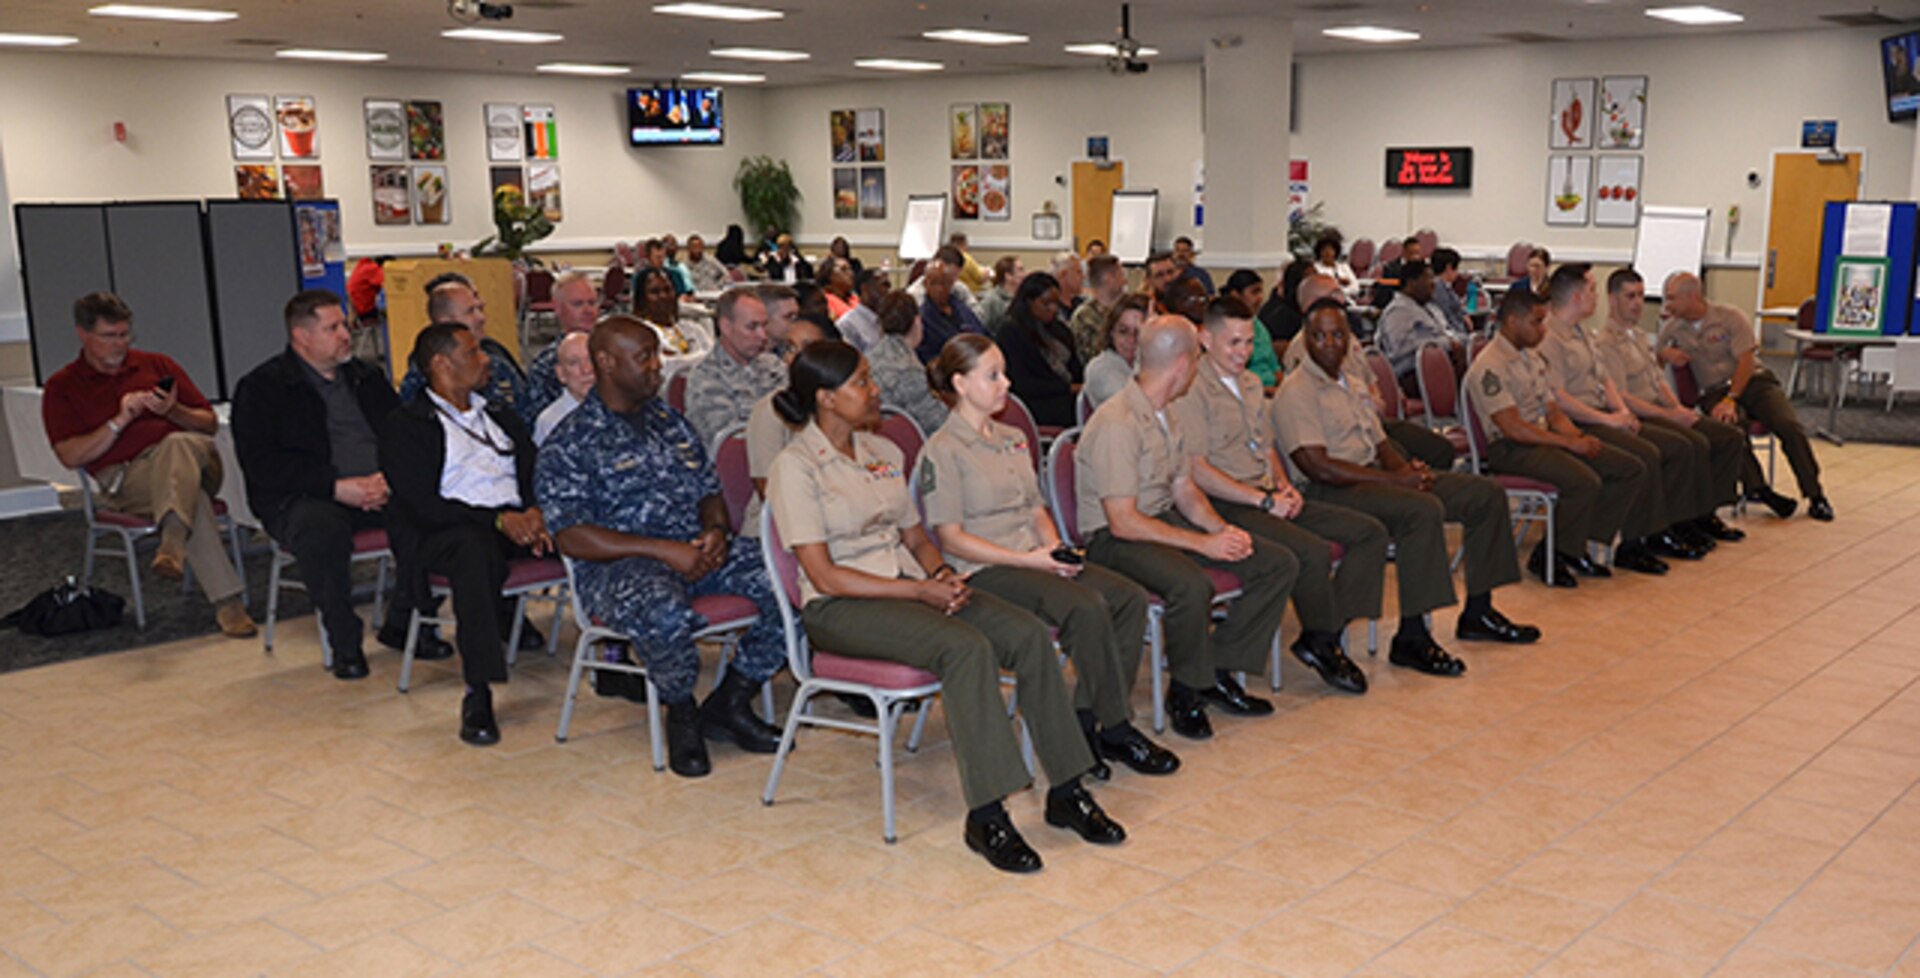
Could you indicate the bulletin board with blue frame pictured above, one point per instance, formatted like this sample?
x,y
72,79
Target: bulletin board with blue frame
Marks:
x,y
1868,290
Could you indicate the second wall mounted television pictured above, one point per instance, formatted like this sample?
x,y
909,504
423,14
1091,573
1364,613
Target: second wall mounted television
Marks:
x,y
669,115
1900,68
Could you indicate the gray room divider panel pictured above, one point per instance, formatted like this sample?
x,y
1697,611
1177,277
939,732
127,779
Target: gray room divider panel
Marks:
x,y
63,256
256,269
160,269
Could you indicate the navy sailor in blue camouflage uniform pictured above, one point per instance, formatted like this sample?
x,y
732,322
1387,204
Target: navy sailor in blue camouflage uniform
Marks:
x,y
629,493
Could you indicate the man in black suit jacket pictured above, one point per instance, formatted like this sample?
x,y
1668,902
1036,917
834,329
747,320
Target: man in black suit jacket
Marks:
x,y
461,471
305,428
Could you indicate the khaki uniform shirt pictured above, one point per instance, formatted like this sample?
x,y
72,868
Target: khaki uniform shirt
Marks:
x,y
1312,408
1227,429
1631,364
1573,365
1713,345
1127,449
766,436
856,506
1354,367
985,484
1502,377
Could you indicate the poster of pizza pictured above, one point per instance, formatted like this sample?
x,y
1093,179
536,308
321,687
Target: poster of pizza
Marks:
x,y
256,181
846,193
299,127
250,124
303,181
996,119
386,129
426,132
543,189
392,194
996,193
966,192
503,131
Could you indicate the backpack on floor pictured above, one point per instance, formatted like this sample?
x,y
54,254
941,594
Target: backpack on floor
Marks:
x,y
66,609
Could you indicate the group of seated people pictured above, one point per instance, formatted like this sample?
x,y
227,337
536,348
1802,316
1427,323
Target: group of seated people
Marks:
x,y
1186,464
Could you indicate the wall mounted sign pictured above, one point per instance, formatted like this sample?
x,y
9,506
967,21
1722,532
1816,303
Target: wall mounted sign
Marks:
x,y
1448,168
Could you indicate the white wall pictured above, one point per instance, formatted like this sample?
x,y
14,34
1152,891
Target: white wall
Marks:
x,y
56,125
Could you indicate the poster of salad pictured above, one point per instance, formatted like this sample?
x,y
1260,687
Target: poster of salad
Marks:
x,y
963,131
1623,111
846,193
966,192
996,193
995,120
426,132
1616,192
1569,179
1573,114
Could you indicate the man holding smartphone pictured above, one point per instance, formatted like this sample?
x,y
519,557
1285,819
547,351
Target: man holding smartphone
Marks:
x,y
136,423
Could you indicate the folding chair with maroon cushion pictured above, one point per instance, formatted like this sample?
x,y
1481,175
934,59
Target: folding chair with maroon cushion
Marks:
x,y
367,545
1529,500
1015,414
133,531
1441,407
900,428
1398,405
1517,260
677,392
624,254
730,464
1389,251
1429,241
540,291
613,289
528,579
1360,258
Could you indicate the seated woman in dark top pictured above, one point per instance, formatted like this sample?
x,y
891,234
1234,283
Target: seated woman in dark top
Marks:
x,y
1041,361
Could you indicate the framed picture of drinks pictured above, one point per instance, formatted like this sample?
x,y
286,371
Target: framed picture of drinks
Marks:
x,y
268,128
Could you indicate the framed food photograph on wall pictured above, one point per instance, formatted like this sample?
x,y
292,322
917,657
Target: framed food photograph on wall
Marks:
x,y
511,178
1616,192
543,190
426,132
873,193
1573,112
1623,112
503,132
846,193
840,127
250,123
966,192
996,192
430,196
996,125
303,181
870,134
963,132
256,181
386,129
1569,183
392,195
299,127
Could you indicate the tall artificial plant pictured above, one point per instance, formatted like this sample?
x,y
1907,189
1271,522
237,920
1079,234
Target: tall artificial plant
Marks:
x,y
768,194
517,224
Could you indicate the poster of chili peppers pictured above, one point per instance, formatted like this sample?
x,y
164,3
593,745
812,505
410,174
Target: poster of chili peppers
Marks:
x,y
1573,113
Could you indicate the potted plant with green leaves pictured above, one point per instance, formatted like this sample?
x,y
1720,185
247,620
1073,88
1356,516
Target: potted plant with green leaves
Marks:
x,y
517,225
768,194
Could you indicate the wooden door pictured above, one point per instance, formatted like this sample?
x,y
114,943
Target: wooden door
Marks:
x,y
1802,186
1093,187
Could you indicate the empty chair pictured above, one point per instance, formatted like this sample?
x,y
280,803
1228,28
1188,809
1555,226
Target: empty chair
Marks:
x,y
900,428
1360,258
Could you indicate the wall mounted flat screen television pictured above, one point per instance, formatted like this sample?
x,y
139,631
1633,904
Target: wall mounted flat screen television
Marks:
x,y
668,115
1900,68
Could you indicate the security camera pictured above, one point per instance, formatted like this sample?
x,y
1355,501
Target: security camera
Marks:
x,y
1125,65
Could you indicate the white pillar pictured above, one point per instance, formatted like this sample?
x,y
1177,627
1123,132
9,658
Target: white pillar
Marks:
x,y
1247,93
1913,172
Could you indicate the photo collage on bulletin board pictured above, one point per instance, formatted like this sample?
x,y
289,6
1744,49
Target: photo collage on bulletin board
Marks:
x,y
981,131
525,134
1608,113
263,129
857,139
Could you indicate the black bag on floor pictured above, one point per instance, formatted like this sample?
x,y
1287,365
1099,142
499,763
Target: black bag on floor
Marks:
x,y
66,609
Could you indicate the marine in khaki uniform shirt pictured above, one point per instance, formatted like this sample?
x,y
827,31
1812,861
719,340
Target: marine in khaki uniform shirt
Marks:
x,y
1235,464
1583,390
1721,452
1528,435
981,497
1332,438
1141,515
1716,342
766,434
873,586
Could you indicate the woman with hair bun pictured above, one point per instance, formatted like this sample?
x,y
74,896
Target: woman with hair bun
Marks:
x,y
874,586
982,500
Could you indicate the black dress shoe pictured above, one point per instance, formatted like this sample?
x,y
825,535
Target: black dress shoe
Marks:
x,y
430,648
1100,771
1494,627
1637,558
530,638
686,749
1586,566
995,838
1070,807
1667,545
476,718
1693,536
1334,667
1782,506
1227,694
624,685
727,716
1137,752
1186,714
1820,509
350,665
1714,528
1562,574
1427,657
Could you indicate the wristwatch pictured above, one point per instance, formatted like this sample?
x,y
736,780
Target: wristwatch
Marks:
x,y
115,426
1266,501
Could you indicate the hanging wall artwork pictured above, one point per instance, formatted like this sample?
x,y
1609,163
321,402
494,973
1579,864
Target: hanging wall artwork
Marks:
x,y
386,129
1573,112
1616,192
1569,182
299,127
1623,112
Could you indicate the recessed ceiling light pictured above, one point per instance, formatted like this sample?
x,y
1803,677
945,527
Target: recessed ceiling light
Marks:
x,y
724,77
898,64
717,11
1371,35
571,68
39,40
324,54
184,14
1105,49
759,54
962,35
1695,15
503,36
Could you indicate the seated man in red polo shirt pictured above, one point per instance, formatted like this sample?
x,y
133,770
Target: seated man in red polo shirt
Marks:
x,y
136,422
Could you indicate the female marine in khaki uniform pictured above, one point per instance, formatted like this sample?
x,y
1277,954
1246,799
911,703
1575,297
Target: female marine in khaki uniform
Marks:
x,y
874,586
982,499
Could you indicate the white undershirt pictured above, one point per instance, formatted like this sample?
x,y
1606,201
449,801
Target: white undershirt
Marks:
x,y
474,473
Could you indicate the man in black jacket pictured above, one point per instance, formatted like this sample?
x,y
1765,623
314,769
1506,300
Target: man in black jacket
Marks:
x,y
461,471
305,428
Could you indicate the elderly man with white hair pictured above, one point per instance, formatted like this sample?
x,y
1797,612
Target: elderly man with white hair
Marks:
x,y
576,304
1072,276
573,367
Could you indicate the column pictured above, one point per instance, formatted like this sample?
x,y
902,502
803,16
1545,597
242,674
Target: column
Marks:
x,y
1248,95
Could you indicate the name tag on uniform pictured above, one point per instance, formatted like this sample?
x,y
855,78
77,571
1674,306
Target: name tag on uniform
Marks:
x,y
625,464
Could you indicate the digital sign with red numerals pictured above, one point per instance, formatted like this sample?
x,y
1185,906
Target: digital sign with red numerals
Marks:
x,y
1448,168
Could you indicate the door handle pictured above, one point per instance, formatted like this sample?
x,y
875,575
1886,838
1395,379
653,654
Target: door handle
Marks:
x,y
1773,257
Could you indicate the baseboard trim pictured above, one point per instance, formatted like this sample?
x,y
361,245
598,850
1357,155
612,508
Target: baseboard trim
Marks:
x,y
27,501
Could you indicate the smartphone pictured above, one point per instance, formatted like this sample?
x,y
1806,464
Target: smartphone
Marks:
x,y
1069,555
166,384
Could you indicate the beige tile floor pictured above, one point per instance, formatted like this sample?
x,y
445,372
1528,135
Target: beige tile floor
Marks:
x,y
1710,773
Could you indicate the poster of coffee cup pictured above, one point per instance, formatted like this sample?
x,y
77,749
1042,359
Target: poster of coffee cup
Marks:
x,y
543,189
996,192
426,132
1569,183
303,181
542,132
503,132
392,194
299,127
966,192
256,181
846,193
386,129
963,131
250,123
873,193
840,135
870,135
430,196
1616,192
996,120
510,178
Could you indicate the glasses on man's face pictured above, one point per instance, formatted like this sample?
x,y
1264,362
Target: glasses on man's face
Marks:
x,y
113,335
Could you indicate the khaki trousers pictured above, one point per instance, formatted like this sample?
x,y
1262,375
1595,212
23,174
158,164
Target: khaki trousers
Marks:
x,y
179,476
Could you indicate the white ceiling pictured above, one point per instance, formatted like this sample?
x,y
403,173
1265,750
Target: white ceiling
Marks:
x,y
838,31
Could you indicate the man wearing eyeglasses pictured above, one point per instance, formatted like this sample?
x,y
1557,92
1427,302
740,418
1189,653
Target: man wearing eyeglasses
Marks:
x,y
136,423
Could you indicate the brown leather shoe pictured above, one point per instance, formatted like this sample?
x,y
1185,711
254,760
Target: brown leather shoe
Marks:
x,y
170,564
234,620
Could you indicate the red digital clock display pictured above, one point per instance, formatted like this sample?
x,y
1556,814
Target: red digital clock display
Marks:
x,y
1448,168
